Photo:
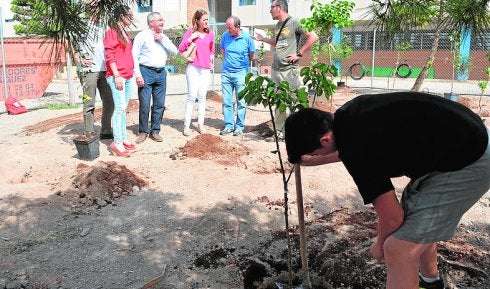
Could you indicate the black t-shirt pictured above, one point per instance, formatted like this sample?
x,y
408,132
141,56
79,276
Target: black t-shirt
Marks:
x,y
405,133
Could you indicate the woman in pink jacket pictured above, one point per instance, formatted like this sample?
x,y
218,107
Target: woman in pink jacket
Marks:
x,y
198,72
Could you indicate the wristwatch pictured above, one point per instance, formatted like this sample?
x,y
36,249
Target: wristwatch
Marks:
x,y
299,54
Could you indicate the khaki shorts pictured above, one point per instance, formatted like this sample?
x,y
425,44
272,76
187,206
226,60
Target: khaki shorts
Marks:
x,y
290,75
435,203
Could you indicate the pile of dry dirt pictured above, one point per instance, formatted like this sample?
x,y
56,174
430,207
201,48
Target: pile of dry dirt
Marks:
x,y
101,184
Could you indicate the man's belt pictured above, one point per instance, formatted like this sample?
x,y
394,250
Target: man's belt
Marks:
x,y
157,70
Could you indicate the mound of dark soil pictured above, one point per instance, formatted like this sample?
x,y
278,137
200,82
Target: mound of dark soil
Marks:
x,y
102,183
338,256
211,147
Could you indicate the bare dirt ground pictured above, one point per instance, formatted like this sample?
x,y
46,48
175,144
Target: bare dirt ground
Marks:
x,y
203,211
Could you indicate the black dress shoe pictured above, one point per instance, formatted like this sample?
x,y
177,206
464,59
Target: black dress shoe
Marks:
x,y
106,136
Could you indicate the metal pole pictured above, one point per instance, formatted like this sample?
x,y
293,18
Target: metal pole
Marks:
x,y
4,70
372,63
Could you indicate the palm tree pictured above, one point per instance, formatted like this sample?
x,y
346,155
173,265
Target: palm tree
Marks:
x,y
396,16
63,22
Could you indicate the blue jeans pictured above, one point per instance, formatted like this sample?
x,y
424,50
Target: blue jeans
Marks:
x,y
155,88
121,100
229,82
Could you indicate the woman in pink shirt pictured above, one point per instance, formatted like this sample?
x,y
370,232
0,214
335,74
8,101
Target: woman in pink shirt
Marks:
x,y
119,75
198,72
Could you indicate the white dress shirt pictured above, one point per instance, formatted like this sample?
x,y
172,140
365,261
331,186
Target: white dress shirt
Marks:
x,y
150,52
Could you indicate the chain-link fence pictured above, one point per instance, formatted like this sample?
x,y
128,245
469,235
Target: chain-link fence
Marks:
x,y
395,63
177,65
368,58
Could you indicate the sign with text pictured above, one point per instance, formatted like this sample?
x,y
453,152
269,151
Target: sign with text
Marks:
x,y
29,67
27,81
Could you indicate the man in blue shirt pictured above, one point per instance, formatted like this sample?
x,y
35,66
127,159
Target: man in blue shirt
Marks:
x,y
151,49
238,50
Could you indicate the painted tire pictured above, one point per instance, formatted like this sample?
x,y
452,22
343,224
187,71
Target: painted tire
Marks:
x,y
403,70
357,71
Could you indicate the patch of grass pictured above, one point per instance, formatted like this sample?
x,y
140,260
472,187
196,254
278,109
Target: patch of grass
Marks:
x,y
60,105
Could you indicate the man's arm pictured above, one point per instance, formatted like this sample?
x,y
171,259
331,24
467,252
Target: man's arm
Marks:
x,y
311,38
390,218
260,37
316,160
137,43
251,56
169,46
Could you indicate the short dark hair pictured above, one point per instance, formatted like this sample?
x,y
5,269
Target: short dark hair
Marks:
x,y
236,20
303,130
283,4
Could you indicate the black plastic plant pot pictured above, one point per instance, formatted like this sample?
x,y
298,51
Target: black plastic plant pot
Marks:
x,y
87,147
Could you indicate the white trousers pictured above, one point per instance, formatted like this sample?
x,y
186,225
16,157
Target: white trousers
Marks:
x,y
197,86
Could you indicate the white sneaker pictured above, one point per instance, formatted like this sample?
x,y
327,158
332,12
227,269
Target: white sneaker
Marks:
x,y
187,131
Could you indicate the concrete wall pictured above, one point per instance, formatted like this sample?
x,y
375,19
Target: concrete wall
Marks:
x,y
173,11
7,23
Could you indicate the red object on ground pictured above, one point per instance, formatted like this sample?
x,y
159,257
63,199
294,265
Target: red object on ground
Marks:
x,y
13,106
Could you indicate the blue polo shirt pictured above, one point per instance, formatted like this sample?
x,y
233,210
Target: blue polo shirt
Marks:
x,y
236,51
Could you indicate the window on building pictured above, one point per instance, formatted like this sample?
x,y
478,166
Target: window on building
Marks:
x,y
247,2
145,5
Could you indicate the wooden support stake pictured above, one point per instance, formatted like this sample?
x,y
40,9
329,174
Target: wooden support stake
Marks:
x,y
155,280
302,228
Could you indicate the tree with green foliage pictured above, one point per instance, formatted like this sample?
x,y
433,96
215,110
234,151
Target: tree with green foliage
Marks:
x,y
325,17
64,22
59,20
396,16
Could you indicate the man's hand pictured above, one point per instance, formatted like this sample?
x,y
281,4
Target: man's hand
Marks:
x,y
86,61
292,58
376,250
157,37
140,81
258,37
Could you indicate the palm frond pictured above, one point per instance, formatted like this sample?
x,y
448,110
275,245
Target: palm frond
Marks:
x,y
473,15
62,21
392,16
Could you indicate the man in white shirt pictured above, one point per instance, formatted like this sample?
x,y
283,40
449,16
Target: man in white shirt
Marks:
x,y
151,49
